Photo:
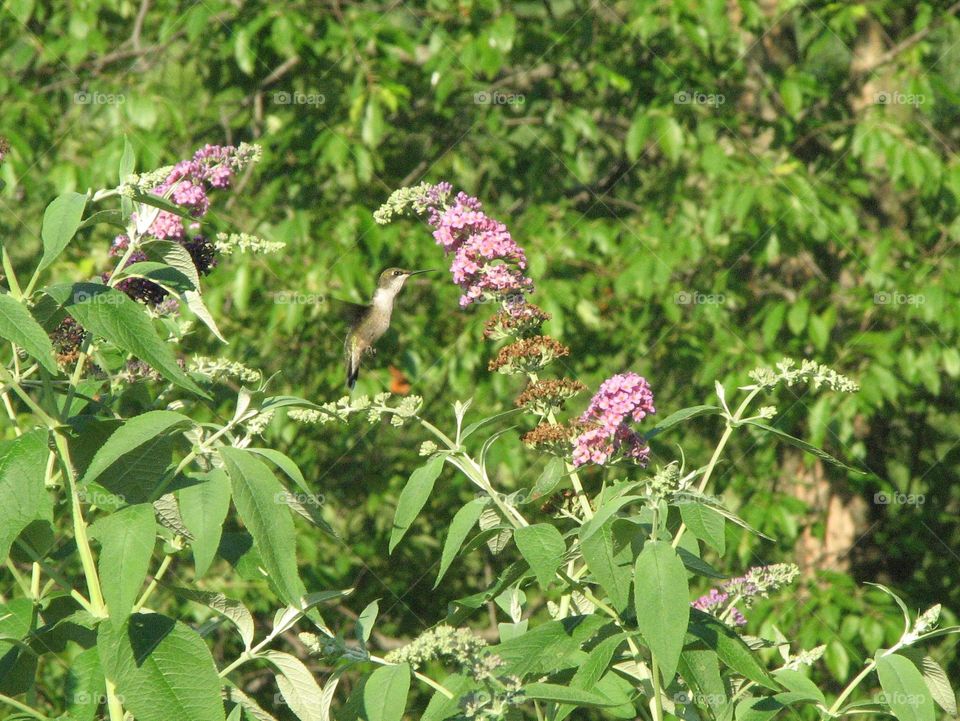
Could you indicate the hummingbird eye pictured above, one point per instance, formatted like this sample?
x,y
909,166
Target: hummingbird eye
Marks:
x,y
397,272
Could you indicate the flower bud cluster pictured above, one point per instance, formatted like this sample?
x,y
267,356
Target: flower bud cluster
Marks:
x,y
789,373
375,409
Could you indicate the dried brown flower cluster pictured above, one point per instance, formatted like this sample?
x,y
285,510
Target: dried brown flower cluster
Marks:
x,y
4,148
528,355
543,396
553,437
519,321
67,337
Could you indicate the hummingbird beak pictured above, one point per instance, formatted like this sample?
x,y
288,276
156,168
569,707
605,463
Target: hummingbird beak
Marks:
x,y
428,270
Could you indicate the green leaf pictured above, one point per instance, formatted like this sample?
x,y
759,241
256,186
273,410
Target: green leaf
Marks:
x,y
366,620
413,497
257,494
758,709
61,220
297,686
161,668
109,313
564,694
22,464
613,575
548,479
463,522
798,683
792,96
542,547
385,693
548,646
85,685
700,668
662,601
204,507
680,416
904,689
133,438
19,327
704,523
803,445
938,683
729,647
591,671
285,464
232,610
162,274
127,538
174,255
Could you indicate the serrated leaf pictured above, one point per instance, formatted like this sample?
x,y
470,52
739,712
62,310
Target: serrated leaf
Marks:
x,y
542,547
161,668
255,494
19,327
613,576
61,220
704,523
564,694
134,434
938,683
297,686
108,313
662,602
413,497
904,689
232,610
168,514
729,647
127,539
22,463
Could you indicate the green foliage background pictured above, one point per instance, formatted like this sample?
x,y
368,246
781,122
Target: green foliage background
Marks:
x,y
804,203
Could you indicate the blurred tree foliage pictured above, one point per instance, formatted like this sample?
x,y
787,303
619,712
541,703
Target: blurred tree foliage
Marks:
x,y
701,187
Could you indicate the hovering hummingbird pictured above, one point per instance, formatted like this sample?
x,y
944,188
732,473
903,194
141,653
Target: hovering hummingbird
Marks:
x,y
369,322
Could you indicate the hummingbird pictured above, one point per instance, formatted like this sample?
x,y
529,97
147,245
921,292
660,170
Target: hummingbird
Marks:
x,y
369,322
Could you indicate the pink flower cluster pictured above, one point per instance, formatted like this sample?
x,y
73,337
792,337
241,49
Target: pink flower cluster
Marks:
x,y
211,167
487,260
621,398
714,601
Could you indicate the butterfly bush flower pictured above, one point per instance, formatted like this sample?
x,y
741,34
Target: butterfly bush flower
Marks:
x,y
758,582
622,398
487,262
186,184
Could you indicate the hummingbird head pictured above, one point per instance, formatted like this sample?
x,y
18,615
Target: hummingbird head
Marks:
x,y
392,279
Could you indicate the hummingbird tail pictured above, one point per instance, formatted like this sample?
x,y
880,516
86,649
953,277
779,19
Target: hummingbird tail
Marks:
x,y
352,375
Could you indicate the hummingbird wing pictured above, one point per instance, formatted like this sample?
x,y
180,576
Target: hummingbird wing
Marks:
x,y
347,311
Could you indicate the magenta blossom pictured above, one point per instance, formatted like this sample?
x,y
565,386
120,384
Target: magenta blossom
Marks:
x,y
713,603
622,398
487,262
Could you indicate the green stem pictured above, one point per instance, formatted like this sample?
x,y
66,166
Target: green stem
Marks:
x,y
655,677
23,708
80,530
851,687
426,679
161,570
708,472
